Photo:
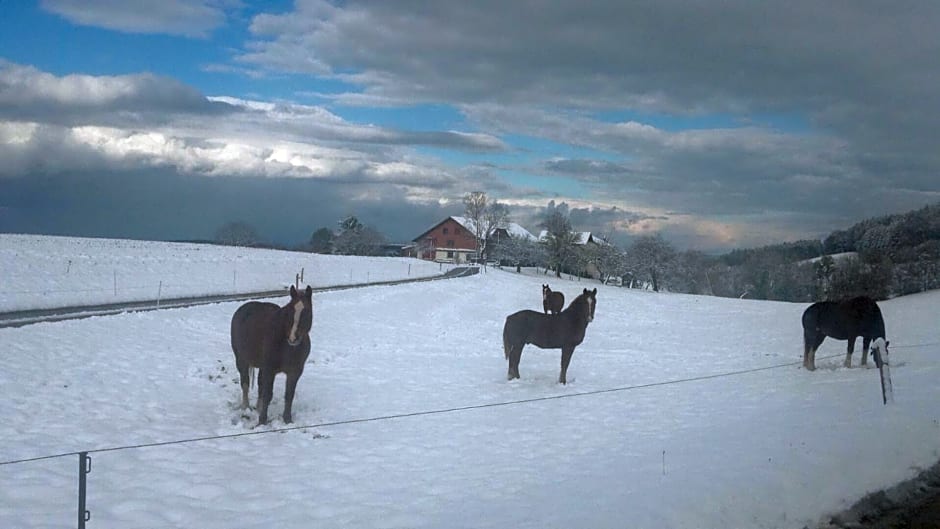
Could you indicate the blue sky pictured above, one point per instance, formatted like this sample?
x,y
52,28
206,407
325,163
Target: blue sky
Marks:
x,y
732,131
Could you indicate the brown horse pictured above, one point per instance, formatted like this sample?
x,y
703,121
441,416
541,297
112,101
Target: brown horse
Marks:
x,y
564,331
275,340
842,320
552,301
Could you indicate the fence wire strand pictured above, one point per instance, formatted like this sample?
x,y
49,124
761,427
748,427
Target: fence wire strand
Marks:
x,y
441,411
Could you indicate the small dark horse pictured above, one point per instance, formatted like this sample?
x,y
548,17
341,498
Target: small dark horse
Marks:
x,y
564,331
552,301
275,340
842,320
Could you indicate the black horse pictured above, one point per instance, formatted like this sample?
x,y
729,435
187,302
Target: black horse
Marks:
x,y
564,330
275,340
842,320
552,301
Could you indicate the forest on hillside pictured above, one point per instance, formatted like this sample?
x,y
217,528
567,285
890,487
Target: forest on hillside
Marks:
x,y
880,257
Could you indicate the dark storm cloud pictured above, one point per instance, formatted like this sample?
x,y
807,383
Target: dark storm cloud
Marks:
x,y
146,100
166,205
860,80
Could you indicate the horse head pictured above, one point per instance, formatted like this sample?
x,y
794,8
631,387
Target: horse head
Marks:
x,y
590,298
545,292
300,311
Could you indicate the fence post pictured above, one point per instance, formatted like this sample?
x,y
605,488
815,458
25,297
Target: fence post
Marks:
x,y
84,468
159,293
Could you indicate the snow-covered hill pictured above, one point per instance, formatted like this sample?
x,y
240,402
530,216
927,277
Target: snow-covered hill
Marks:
x,y
776,447
47,272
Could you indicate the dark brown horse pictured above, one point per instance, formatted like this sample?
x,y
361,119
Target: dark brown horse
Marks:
x,y
275,340
842,320
563,331
552,301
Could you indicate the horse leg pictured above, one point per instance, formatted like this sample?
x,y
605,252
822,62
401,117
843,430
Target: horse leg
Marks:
x,y
866,342
848,354
265,391
515,354
566,353
292,379
243,371
244,382
811,342
807,346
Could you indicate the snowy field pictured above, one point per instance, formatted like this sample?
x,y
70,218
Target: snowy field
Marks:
x,y
771,448
48,272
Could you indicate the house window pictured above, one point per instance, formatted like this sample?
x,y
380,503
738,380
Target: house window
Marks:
x,y
450,255
445,231
450,243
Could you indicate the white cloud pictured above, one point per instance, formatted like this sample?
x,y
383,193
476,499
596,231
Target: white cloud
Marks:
x,y
190,18
145,121
29,94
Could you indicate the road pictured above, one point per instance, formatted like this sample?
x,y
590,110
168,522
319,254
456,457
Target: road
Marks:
x,y
28,317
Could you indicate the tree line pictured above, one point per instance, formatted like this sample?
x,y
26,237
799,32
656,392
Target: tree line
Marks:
x,y
880,257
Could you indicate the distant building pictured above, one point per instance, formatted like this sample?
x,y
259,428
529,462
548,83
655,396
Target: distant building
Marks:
x,y
585,238
453,240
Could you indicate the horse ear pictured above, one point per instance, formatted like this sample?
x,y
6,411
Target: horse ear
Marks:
x,y
309,291
293,292
595,291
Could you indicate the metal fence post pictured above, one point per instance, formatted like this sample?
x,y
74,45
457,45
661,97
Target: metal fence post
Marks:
x,y
84,468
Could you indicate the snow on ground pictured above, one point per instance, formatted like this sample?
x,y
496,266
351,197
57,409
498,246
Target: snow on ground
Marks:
x,y
48,272
771,448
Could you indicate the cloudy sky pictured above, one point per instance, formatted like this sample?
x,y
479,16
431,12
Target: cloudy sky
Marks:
x,y
717,124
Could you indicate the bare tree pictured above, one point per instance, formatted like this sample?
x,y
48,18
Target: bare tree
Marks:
x,y
610,261
321,241
484,217
650,256
560,241
355,238
237,233
520,251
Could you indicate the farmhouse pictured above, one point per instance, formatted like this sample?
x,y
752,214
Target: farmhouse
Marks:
x,y
452,240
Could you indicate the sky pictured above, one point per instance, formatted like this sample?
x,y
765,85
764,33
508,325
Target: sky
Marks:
x,y
717,126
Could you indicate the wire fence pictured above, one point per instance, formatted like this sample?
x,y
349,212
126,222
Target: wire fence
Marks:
x,y
441,411
123,285
84,515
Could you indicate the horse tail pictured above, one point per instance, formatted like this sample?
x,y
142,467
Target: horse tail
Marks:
x,y
879,323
